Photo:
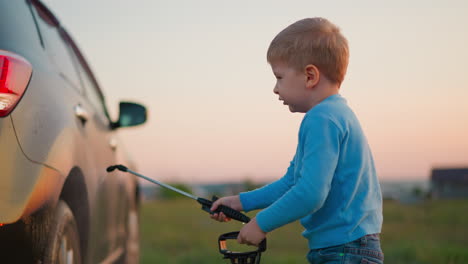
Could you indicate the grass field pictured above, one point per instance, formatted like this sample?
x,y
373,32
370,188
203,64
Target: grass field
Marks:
x,y
177,231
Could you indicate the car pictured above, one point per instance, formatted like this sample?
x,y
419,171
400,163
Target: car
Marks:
x,y
57,202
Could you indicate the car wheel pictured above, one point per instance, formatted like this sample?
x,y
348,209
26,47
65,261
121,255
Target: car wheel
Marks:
x,y
64,242
132,253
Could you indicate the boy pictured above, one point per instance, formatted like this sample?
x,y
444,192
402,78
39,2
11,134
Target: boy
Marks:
x,y
331,183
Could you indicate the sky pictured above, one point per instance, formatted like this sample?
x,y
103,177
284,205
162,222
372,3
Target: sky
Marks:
x,y
200,68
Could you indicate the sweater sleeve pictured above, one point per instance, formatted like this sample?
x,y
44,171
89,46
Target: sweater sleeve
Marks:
x,y
265,196
320,142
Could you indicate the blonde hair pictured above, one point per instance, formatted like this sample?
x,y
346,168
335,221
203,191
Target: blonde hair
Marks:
x,y
314,41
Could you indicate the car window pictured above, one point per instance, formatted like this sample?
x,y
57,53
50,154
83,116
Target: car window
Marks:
x,y
57,48
88,81
91,91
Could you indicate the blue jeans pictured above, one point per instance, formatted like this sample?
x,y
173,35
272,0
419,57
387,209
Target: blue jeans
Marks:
x,y
363,250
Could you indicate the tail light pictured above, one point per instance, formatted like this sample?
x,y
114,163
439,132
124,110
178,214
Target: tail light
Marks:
x,y
15,72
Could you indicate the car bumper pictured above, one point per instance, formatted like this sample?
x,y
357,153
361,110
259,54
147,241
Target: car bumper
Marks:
x,y
25,186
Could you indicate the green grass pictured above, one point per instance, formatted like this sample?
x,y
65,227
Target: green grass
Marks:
x,y
177,231
431,232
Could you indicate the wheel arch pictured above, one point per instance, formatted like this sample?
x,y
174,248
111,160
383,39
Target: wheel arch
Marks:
x,y
75,194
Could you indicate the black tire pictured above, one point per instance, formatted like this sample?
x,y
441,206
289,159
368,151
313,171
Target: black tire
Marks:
x,y
64,242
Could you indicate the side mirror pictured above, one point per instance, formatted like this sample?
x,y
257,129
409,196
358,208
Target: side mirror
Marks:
x,y
130,114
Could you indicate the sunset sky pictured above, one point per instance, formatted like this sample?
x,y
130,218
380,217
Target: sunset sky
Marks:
x,y
200,68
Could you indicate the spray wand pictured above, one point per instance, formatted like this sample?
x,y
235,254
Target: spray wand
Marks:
x,y
205,203
250,257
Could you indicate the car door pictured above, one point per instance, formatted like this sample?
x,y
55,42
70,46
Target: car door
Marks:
x,y
102,149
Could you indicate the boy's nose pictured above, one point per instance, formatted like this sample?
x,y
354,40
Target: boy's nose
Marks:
x,y
275,90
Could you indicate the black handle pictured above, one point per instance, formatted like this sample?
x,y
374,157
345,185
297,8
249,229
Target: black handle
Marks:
x,y
233,235
228,211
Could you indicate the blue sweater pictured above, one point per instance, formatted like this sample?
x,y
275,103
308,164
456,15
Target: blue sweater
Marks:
x,y
331,184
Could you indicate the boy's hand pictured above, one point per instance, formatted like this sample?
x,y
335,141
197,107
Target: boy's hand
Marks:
x,y
251,234
231,201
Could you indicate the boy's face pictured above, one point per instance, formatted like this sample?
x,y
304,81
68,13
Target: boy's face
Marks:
x,y
291,87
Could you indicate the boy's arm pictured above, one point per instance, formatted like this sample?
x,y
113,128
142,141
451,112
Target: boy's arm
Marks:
x,y
266,195
321,145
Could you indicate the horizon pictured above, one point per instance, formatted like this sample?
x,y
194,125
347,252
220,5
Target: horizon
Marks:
x,y
264,181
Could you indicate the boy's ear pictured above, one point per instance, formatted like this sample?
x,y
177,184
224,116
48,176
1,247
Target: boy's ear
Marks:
x,y
312,75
